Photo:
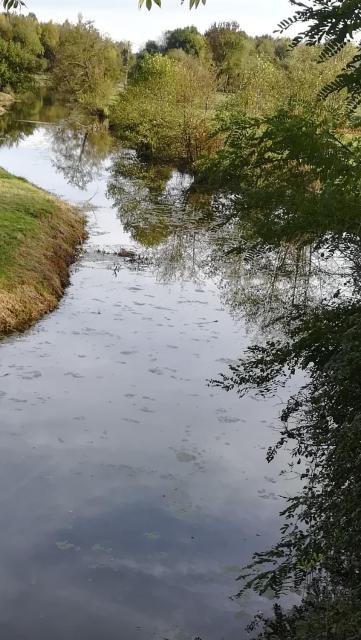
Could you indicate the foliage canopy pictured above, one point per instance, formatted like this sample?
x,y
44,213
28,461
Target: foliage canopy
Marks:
x,y
87,67
164,113
334,23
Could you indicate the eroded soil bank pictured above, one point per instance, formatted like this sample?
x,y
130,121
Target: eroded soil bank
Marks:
x,y
39,236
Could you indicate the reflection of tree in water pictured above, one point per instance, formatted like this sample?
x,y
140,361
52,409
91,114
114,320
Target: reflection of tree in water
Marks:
x,y
80,144
185,231
80,151
318,554
21,119
311,294
157,207
259,282
304,290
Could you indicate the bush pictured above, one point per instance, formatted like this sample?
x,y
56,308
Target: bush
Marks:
x,y
17,66
165,113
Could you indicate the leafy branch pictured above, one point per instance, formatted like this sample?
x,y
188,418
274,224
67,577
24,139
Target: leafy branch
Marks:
x,y
12,4
333,24
149,3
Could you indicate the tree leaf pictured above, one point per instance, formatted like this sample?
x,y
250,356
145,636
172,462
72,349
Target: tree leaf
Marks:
x,y
149,3
12,4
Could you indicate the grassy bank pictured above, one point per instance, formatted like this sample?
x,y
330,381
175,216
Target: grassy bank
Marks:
x,y
39,235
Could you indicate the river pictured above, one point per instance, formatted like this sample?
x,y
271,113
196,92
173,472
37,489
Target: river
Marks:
x,y
131,491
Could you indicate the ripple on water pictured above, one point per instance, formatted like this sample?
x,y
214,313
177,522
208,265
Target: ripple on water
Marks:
x,y
111,456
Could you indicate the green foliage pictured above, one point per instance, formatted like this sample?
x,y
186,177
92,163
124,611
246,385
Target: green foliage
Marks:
x,y
20,51
165,111
26,31
12,4
291,185
17,67
188,39
265,85
272,49
230,49
87,66
152,47
325,614
334,23
320,539
50,37
284,172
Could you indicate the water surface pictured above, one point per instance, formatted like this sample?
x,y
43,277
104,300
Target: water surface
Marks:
x,y
131,491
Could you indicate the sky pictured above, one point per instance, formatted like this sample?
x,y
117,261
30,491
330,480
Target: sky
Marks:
x,y
122,20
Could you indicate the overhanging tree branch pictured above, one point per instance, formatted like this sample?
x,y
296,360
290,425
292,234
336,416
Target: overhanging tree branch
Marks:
x,y
149,3
12,4
332,24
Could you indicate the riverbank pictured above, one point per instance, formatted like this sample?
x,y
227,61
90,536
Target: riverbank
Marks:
x,y
39,236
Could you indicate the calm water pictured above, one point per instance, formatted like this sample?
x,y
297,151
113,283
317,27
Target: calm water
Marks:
x,y
131,492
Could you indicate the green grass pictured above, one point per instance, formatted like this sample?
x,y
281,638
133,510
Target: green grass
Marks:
x,y
22,207
39,235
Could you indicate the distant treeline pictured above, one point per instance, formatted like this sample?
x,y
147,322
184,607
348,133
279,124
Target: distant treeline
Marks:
x,y
173,99
81,63
224,45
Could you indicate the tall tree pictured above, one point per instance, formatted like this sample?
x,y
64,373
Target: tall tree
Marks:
x,y
230,48
87,67
50,36
189,39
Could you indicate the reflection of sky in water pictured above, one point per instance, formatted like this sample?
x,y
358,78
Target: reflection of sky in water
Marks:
x,y
131,492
